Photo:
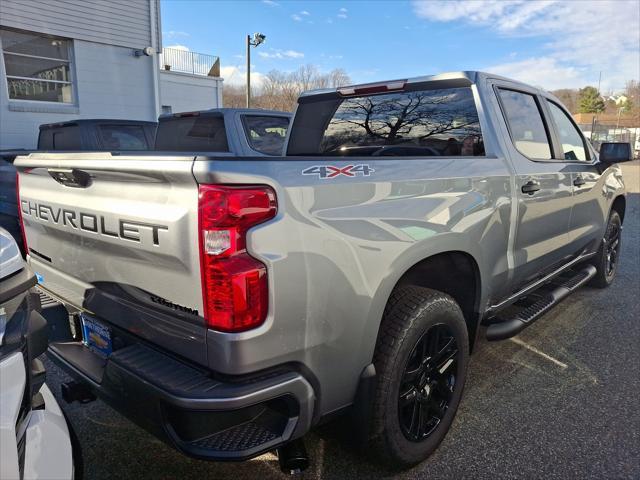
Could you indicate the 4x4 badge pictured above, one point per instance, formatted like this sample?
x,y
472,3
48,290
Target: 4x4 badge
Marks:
x,y
331,171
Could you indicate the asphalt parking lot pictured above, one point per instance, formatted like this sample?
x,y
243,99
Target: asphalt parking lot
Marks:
x,y
561,400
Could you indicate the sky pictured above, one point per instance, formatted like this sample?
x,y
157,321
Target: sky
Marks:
x,y
548,43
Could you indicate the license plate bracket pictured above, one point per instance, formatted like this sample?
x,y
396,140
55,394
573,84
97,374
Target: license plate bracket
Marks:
x,y
96,336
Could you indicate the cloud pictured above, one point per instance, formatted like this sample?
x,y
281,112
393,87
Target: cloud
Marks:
x,y
296,17
304,12
178,47
343,10
271,3
543,72
581,37
171,34
506,14
281,54
342,13
236,75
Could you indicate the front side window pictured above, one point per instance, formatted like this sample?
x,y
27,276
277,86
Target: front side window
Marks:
x,y
525,124
37,67
266,134
423,123
573,146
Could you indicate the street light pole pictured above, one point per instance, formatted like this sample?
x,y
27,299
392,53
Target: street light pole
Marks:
x,y
248,71
258,38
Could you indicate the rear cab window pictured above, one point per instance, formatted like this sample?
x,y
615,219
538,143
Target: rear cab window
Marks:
x,y
526,126
67,138
123,137
266,134
423,123
192,133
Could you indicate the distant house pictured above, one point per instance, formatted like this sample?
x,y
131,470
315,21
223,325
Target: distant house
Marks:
x,y
619,100
93,59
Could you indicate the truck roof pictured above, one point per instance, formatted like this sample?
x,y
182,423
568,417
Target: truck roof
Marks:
x,y
227,111
460,78
100,121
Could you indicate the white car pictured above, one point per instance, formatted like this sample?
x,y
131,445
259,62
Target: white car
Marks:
x,y
35,437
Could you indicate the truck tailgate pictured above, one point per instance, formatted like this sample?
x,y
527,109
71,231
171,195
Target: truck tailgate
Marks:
x,y
117,236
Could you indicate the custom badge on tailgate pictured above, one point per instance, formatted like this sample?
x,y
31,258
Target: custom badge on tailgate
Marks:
x,y
331,171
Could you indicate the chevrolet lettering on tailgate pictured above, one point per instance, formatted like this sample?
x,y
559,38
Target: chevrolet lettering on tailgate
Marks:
x,y
89,222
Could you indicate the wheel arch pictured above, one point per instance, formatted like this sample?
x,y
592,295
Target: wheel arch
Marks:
x,y
620,205
454,272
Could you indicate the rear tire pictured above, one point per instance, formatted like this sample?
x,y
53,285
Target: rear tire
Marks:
x,y
421,361
606,260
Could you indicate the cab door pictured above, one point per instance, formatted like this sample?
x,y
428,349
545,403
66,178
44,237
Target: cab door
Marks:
x,y
543,186
589,210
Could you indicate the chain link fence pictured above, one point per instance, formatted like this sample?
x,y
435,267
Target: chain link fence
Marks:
x,y
599,133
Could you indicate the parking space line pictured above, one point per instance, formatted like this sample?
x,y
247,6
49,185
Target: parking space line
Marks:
x,y
542,354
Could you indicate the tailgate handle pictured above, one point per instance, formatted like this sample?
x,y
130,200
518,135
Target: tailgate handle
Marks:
x,y
70,177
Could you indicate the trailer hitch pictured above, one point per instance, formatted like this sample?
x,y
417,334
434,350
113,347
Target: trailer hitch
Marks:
x,y
293,457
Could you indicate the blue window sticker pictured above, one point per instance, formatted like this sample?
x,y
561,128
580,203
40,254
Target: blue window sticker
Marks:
x,y
40,278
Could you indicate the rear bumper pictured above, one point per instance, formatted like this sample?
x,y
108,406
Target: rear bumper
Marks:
x,y
235,419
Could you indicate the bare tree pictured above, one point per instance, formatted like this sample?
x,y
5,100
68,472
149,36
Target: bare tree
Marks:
x,y
280,90
233,96
394,119
338,78
568,97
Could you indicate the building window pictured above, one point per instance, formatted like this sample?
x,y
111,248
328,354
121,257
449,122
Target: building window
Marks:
x,y
38,67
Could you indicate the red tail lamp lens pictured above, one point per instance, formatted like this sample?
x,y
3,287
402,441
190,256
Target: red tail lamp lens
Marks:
x,y
234,284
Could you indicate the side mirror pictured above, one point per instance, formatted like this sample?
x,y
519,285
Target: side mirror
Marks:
x,y
615,152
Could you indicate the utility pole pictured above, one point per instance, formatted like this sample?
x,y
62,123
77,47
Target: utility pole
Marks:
x,y
594,120
258,38
248,71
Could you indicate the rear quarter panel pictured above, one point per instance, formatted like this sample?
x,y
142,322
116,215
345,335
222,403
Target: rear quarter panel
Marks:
x,y
337,248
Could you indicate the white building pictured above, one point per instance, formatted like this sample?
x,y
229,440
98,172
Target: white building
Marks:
x,y
86,59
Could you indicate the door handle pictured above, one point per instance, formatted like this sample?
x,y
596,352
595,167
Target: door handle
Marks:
x,y
70,177
531,187
579,181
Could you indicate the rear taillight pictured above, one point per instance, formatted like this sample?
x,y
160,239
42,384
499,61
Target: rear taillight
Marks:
x,y
24,237
234,284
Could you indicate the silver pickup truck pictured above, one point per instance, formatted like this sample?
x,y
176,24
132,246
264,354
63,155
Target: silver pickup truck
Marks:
x,y
230,305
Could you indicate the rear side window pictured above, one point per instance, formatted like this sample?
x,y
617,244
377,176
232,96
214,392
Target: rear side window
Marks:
x,y
525,124
67,138
123,137
192,134
422,123
573,146
265,134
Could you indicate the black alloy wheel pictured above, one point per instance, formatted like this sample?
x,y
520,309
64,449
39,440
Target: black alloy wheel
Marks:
x,y
607,259
427,383
612,248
